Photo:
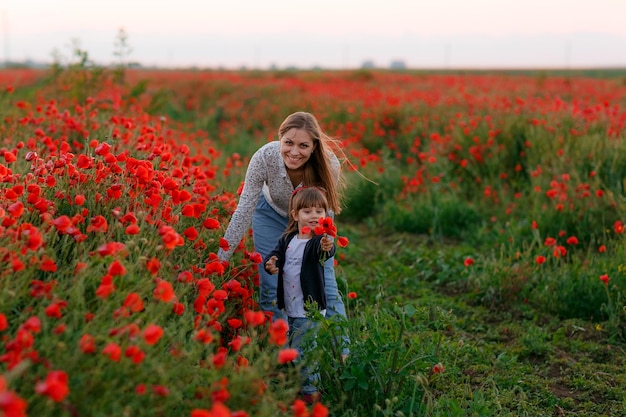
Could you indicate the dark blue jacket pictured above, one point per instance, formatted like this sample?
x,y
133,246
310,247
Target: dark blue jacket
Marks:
x,y
311,273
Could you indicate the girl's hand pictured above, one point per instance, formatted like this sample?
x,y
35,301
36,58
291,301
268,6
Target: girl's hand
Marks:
x,y
326,243
270,265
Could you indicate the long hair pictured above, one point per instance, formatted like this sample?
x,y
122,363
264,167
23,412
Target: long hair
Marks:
x,y
317,171
305,197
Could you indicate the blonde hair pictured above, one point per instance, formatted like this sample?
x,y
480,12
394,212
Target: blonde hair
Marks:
x,y
317,171
305,197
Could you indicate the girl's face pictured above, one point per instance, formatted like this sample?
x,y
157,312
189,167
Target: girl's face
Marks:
x,y
308,216
296,147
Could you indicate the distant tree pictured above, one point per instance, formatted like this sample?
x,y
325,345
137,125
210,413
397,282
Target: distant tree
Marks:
x,y
398,64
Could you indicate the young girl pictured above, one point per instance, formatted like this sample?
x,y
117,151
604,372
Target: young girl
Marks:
x,y
299,261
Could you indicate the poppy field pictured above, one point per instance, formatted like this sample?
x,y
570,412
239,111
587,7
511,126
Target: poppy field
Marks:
x,y
484,273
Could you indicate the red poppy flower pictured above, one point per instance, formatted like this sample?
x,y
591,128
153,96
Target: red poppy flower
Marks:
x,y
185,276
111,248
84,161
234,323
540,259
16,264
219,359
54,386
106,287
254,318
188,211
113,351
319,410
33,324
135,353
152,334
48,264
16,209
132,229
59,329
217,410
215,267
170,237
102,149
153,265
62,223
116,269
203,336
178,309
550,241
164,291
278,332
160,390
299,408
134,302
352,295
205,287
87,343
559,251
128,218
9,157
342,241
572,240
98,224
34,239
191,233
220,295
54,309
255,257
605,278
4,324
211,223
287,355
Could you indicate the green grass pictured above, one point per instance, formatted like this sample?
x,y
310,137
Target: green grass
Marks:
x,y
509,360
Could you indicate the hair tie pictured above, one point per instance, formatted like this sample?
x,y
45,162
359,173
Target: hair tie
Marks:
x,y
301,187
294,192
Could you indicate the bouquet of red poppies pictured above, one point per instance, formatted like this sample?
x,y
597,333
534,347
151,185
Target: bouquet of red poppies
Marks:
x,y
326,227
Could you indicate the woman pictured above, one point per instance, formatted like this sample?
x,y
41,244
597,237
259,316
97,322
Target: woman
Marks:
x,y
301,156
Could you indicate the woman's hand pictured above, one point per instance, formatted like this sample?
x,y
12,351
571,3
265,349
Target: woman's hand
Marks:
x,y
270,265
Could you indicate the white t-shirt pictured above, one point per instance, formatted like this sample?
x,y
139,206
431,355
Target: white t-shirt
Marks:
x,y
294,299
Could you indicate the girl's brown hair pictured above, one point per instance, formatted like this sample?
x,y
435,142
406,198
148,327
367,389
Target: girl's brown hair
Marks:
x,y
305,197
317,170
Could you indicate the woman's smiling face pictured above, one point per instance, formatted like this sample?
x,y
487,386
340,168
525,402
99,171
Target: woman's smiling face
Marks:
x,y
296,147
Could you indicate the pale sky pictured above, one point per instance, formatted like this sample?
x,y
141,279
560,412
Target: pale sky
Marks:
x,y
325,33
